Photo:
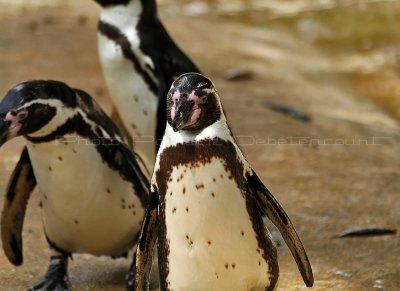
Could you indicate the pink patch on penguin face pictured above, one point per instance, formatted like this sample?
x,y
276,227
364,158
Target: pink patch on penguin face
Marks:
x,y
195,116
196,110
175,98
172,112
197,100
16,121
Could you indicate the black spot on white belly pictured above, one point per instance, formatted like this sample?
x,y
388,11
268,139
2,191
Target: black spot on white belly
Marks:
x,y
200,186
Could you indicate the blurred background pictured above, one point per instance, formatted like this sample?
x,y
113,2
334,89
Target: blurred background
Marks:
x,y
312,92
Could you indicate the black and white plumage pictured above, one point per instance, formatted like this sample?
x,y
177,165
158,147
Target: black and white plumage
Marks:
x,y
93,188
140,61
207,204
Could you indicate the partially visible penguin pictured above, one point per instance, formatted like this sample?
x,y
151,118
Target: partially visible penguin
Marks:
x,y
140,61
207,205
93,189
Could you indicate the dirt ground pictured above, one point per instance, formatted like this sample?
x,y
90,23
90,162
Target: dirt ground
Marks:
x,y
338,172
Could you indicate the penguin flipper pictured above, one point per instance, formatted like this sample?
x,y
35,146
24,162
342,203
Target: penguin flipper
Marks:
x,y
274,211
145,247
19,189
133,167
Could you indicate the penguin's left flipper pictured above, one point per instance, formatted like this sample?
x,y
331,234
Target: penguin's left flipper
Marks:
x,y
139,275
274,211
19,190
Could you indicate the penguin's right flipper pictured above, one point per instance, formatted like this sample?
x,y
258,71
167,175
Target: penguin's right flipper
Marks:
x,y
139,275
19,190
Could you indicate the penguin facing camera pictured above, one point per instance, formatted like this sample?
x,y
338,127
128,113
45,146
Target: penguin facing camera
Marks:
x,y
207,205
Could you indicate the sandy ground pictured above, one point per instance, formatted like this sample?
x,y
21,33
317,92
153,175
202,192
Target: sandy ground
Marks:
x,y
337,172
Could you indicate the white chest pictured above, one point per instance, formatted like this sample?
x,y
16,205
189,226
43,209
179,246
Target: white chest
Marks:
x,y
212,243
86,206
135,102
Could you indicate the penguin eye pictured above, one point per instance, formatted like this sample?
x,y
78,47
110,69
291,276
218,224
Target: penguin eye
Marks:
x,y
22,116
202,100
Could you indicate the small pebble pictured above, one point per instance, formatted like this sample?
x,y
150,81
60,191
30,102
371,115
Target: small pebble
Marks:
x,y
194,9
82,19
367,231
238,74
48,19
32,25
343,273
290,111
378,283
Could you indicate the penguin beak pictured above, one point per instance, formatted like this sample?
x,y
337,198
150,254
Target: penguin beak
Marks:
x,y
183,113
11,124
4,131
12,115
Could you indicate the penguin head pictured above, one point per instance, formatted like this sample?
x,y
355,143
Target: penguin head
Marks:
x,y
192,103
145,9
30,106
107,3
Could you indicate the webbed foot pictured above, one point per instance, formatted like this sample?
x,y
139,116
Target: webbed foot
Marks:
x,y
56,278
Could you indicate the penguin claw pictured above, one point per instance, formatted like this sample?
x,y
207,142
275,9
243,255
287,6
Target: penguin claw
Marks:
x,y
56,278
52,284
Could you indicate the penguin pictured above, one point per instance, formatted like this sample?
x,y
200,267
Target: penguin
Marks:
x,y
139,61
93,188
207,205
